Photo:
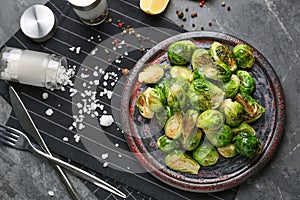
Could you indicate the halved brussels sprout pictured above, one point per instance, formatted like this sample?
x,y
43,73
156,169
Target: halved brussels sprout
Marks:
x,y
233,112
201,58
205,154
219,71
210,120
180,52
143,106
209,91
244,56
167,145
247,144
251,106
228,151
163,85
224,54
183,72
220,137
197,100
189,121
231,88
247,82
151,74
243,127
192,141
179,161
177,97
173,127
163,115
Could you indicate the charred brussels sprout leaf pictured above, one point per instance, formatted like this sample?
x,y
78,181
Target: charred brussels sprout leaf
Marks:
x,y
231,88
181,162
143,105
151,74
167,145
180,52
224,54
233,112
243,127
221,137
228,151
201,58
244,56
247,144
205,154
251,106
247,82
210,120
173,127
192,141
183,72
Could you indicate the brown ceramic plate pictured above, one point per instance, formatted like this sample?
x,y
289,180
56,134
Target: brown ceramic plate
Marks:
x,y
141,134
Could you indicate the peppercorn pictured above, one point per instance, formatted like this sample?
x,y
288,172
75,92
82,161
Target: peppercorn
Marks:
x,y
193,25
228,8
202,28
209,24
186,9
180,14
125,71
223,3
184,18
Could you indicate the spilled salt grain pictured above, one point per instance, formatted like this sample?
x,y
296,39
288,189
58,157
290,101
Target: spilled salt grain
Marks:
x,y
106,120
49,112
45,95
104,156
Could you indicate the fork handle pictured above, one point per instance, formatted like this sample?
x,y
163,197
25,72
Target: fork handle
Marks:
x,y
81,173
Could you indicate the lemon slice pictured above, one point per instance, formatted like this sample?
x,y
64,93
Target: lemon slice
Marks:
x,y
153,7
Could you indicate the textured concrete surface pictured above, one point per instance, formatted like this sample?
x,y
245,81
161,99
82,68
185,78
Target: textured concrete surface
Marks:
x,y
272,26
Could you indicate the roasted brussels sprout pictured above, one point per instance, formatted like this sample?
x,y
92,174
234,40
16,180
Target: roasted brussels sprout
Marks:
x,y
197,100
163,115
189,121
209,91
220,137
180,52
243,127
231,88
205,154
173,126
233,112
163,85
183,72
219,71
247,82
167,145
192,141
201,58
177,97
210,120
247,144
244,56
251,106
151,74
224,54
228,151
142,103
179,161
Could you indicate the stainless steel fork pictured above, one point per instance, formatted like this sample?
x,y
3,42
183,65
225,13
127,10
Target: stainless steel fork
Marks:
x,y
15,138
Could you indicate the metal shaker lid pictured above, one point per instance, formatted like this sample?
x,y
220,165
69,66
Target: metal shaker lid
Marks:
x,y
38,23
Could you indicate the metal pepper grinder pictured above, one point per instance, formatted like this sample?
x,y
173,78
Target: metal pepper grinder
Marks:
x,y
38,23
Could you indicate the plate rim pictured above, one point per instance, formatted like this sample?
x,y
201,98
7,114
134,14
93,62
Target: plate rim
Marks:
x,y
256,164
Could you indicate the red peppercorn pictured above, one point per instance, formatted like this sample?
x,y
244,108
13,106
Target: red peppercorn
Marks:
x,y
120,24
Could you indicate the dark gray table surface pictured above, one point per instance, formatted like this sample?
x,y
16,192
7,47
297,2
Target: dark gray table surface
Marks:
x,y
272,26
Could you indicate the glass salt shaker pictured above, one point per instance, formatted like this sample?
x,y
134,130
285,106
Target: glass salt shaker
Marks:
x,y
33,68
90,12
